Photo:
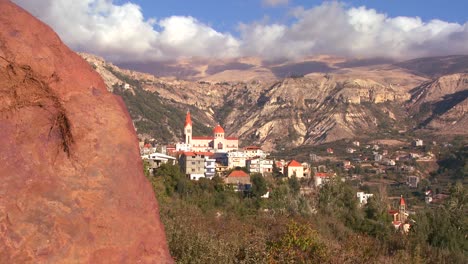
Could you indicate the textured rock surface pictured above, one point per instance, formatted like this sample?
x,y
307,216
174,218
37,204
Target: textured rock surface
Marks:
x,y
72,188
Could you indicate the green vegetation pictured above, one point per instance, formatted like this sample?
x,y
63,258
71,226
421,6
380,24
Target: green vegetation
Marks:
x,y
154,115
207,222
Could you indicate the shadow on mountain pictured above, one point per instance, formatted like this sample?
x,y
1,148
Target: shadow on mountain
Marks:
x,y
364,62
436,66
445,105
300,69
213,69
160,68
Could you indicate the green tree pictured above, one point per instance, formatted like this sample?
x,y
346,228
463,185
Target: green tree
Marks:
x,y
294,184
299,244
259,185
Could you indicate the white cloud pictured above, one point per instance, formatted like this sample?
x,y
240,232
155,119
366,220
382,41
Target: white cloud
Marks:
x,y
121,33
331,28
275,2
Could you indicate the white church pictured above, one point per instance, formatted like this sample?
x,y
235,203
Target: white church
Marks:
x,y
218,142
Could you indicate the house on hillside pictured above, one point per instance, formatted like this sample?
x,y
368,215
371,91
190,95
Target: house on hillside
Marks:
x,y
294,168
259,165
418,142
362,197
239,179
413,181
237,159
322,177
197,165
255,151
155,160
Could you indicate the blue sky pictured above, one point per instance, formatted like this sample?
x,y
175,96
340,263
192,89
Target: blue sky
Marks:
x,y
136,30
225,15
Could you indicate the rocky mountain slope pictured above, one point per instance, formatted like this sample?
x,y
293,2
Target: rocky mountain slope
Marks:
x,y
442,104
351,99
72,187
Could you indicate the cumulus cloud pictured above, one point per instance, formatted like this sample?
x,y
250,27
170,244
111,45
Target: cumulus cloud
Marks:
x,y
275,2
121,33
331,28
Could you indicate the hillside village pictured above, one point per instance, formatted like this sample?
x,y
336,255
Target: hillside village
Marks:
x,y
364,165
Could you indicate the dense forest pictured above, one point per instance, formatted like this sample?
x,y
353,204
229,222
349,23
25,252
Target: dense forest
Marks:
x,y
208,222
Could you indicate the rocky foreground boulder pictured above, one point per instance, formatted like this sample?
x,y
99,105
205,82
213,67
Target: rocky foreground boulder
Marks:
x,y
72,188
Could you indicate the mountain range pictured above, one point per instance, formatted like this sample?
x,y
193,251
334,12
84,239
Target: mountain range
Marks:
x,y
286,104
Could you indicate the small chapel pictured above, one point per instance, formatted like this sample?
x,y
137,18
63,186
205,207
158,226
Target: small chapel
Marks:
x,y
400,216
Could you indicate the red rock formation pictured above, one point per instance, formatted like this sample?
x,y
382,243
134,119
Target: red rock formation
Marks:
x,y
71,183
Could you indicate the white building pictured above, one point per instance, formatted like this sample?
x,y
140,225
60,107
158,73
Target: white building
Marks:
x,y
254,151
362,197
210,167
378,157
156,159
237,159
258,165
350,150
294,168
321,178
217,142
418,142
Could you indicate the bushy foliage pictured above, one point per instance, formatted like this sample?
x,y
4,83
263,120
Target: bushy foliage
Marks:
x,y
207,222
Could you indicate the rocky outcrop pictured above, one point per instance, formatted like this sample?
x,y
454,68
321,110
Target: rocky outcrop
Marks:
x,y
442,104
72,188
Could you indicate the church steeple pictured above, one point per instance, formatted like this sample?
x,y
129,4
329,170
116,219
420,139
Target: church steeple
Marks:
x,y
188,129
188,119
402,211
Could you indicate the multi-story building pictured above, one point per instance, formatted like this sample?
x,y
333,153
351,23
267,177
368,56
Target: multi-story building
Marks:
x,y
259,165
197,165
255,151
237,159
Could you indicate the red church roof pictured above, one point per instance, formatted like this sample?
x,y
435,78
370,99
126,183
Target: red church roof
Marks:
x,y
188,119
218,129
402,201
294,163
238,173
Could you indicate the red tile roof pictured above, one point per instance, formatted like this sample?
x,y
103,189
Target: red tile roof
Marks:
x,y
294,163
188,120
238,173
232,138
218,129
402,201
321,175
